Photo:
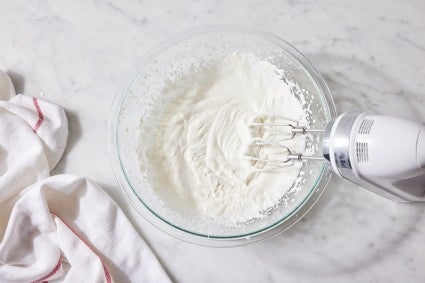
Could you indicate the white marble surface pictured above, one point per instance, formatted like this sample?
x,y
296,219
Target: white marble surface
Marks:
x,y
372,53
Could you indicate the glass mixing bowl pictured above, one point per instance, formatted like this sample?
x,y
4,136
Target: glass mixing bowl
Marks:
x,y
172,57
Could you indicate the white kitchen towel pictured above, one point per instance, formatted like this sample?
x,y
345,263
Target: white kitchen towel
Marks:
x,y
7,90
68,218
47,223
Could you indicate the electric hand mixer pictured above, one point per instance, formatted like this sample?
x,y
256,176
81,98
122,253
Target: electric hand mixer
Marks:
x,y
381,153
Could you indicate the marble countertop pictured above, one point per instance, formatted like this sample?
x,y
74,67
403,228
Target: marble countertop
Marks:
x,y
372,53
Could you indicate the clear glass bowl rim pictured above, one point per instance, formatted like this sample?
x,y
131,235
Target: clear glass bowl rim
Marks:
x,y
201,239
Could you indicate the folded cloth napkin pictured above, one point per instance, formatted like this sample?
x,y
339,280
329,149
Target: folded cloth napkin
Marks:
x,y
48,223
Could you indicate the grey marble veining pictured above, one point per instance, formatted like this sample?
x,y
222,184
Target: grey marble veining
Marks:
x,y
372,54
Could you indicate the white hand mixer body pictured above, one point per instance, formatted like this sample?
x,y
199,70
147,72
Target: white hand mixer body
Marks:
x,y
384,154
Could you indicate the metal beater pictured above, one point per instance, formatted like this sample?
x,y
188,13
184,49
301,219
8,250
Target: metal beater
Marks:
x,y
284,129
384,154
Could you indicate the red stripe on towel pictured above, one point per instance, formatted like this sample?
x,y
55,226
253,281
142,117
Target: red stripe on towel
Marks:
x,y
40,114
51,273
105,271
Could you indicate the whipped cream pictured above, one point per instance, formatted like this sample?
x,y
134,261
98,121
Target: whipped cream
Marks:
x,y
196,160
